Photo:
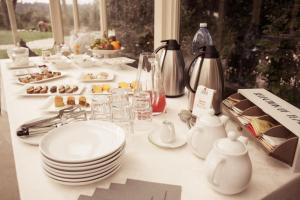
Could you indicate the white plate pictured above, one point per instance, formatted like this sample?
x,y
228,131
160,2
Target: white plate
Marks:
x,y
43,80
111,156
117,60
112,87
154,138
85,181
22,91
63,63
88,167
82,141
32,140
98,171
49,105
10,65
80,172
110,77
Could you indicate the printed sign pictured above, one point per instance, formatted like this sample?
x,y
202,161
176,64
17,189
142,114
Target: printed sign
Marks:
x,y
283,112
203,100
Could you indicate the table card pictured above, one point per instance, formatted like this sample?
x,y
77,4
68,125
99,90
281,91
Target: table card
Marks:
x,y
203,100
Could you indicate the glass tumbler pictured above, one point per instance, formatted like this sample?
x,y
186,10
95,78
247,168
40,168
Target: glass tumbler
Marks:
x,y
142,111
101,108
121,109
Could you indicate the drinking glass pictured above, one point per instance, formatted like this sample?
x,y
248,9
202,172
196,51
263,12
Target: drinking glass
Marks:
x,y
121,109
142,110
149,78
101,108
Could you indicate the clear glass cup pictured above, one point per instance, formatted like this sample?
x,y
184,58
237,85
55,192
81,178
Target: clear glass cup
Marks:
x,y
101,108
142,111
121,109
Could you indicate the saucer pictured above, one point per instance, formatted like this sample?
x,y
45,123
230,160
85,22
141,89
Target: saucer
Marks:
x,y
154,138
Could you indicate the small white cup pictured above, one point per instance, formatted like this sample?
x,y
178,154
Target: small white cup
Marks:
x,y
167,132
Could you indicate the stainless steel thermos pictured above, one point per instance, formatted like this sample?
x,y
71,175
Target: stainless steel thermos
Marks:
x,y
206,70
172,67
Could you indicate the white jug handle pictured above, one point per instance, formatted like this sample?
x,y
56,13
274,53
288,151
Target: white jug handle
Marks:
x,y
213,170
193,131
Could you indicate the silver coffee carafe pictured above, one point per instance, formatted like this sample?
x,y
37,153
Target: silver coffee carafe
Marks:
x,y
206,69
172,67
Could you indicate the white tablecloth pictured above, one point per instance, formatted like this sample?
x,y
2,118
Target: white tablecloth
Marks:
x,y
142,160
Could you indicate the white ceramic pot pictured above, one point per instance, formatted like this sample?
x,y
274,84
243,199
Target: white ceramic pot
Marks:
x,y
228,165
206,131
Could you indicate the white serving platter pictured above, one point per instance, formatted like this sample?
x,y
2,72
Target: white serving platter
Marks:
x,y
23,90
113,86
110,77
49,105
82,141
43,80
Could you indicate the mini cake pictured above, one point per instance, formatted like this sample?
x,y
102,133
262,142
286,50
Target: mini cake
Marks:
x,y
134,85
53,89
71,100
61,89
59,102
44,89
82,101
30,90
124,85
75,88
37,89
96,89
102,75
106,88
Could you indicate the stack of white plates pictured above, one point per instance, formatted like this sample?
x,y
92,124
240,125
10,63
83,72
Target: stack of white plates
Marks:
x,y
83,152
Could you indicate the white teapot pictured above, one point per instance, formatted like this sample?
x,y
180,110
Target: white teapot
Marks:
x,y
207,130
228,165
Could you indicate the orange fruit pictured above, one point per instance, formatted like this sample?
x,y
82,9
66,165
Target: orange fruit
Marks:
x,y
116,44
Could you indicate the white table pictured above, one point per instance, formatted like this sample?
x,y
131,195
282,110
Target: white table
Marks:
x,y
142,160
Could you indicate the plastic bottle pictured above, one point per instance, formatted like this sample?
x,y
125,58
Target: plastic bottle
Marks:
x,y
201,38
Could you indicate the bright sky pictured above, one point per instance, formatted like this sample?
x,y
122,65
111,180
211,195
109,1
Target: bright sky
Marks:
x,y
47,1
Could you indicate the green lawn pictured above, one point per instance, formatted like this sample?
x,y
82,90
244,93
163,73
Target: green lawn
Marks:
x,y
6,36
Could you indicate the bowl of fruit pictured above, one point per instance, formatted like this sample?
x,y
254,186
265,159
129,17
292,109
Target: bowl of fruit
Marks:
x,y
105,46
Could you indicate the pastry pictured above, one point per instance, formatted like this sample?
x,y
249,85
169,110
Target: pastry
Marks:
x,y
96,89
37,90
102,75
30,90
75,88
44,89
56,74
53,89
134,85
38,77
82,101
61,89
87,77
68,89
106,88
124,85
71,101
59,102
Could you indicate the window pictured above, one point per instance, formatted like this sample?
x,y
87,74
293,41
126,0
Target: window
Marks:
x,y
259,42
33,24
133,23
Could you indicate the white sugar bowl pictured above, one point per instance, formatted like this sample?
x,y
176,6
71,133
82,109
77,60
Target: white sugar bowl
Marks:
x,y
228,165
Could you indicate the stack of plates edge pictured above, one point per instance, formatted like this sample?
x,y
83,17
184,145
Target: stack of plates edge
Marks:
x,y
82,152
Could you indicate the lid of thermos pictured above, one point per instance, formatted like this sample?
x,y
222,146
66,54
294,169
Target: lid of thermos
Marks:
x,y
211,52
172,44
